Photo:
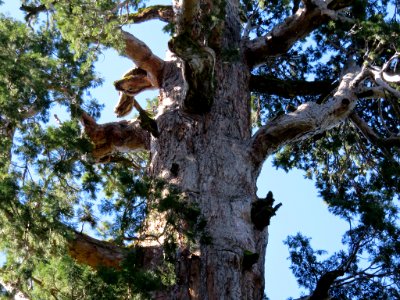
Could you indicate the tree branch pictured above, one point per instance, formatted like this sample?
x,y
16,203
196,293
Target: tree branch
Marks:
x,y
288,88
309,119
324,284
371,135
163,13
96,253
113,137
282,37
142,56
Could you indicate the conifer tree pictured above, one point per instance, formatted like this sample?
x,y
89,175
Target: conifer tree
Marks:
x,y
170,196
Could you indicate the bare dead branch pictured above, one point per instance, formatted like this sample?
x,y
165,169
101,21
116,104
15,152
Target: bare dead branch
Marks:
x,y
142,56
282,37
288,88
108,138
309,119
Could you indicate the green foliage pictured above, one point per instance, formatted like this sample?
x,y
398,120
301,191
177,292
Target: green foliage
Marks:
x,y
49,186
356,177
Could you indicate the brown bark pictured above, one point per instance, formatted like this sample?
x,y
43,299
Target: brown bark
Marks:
x,y
95,253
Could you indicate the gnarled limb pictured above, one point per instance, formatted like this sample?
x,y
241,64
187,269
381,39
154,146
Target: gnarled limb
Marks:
x,y
288,88
309,119
113,137
282,37
133,82
142,56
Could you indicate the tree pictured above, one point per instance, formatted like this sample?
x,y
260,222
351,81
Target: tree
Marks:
x,y
318,84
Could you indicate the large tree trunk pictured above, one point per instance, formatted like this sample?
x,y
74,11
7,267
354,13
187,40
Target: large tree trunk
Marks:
x,y
207,157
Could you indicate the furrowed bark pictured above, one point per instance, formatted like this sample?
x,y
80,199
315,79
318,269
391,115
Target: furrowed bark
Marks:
x,y
288,88
309,119
281,38
114,137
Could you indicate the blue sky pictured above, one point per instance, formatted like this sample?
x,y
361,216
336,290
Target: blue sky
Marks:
x,y
302,210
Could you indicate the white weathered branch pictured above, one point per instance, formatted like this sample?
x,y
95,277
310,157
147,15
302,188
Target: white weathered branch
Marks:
x,y
379,79
309,119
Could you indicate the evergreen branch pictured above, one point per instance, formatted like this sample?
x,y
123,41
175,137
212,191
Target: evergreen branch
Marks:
x,y
295,27
289,88
324,284
163,13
